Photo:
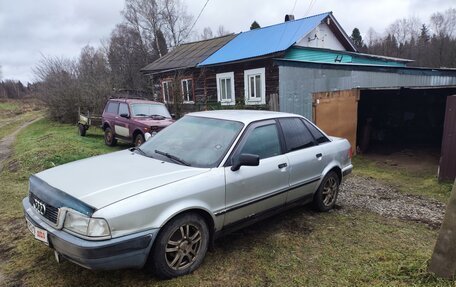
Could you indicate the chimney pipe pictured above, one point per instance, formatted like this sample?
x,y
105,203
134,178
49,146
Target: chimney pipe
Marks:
x,y
289,17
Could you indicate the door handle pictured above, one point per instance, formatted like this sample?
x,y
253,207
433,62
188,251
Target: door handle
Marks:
x,y
318,155
282,165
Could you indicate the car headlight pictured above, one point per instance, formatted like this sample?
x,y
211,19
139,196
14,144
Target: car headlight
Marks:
x,y
83,225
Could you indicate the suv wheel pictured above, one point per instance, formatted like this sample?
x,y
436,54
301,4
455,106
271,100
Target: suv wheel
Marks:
x,y
139,139
326,195
109,138
180,246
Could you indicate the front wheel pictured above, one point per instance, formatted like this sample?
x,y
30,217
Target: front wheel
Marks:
x,y
326,195
180,246
139,139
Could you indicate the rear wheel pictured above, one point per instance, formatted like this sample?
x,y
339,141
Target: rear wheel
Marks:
x,y
180,246
326,195
82,130
139,139
109,138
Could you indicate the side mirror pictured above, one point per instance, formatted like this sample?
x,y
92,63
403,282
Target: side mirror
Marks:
x,y
127,116
147,136
246,159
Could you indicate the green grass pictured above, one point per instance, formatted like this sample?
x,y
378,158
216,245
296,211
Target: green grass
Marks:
x,y
410,182
9,106
297,248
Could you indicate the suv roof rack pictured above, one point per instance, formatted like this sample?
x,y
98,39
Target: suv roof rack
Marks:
x,y
130,94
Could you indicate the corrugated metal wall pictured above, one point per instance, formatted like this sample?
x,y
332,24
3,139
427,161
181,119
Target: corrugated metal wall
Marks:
x,y
297,82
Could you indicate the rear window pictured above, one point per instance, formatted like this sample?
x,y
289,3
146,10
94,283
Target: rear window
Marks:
x,y
123,109
112,108
297,136
319,137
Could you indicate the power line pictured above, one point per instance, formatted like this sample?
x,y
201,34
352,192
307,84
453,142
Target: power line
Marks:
x,y
197,18
311,4
294,6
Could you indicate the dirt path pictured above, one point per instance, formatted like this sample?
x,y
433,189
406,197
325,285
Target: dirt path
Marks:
x,y
6,142
370,194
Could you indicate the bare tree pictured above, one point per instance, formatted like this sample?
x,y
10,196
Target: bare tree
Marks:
x,y
207,34
444,23
176,21
405,29
221,31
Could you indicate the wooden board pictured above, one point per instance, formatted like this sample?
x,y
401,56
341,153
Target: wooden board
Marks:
x,y
336,113
447,166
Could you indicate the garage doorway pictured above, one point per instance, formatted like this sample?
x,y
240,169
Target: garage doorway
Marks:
x,y
403,127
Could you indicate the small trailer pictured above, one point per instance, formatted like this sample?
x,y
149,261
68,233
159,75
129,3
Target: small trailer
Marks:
x,y
85,120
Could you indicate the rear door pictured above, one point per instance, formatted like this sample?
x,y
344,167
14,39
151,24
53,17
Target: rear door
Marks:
x,y
254,189
305,157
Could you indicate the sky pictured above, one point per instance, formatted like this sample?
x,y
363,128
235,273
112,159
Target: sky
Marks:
x,y
31,29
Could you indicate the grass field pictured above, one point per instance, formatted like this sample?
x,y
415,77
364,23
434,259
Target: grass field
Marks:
x,y
298,248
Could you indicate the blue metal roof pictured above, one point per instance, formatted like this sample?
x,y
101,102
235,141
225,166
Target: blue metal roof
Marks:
x,y
264,41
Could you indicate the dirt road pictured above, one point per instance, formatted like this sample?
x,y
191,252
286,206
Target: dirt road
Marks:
x,y
6,142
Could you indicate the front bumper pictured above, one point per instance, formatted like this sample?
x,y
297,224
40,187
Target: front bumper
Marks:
x,y
129,251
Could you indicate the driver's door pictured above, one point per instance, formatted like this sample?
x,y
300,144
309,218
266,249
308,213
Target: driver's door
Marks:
x,y
254,189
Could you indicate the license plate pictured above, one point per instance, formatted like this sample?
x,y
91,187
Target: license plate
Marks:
x,y
39,233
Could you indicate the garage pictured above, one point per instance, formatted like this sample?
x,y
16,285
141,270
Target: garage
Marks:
x,y
403,125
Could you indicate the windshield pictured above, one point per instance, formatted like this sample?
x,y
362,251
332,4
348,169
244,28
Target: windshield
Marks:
x,y
147,110
197,141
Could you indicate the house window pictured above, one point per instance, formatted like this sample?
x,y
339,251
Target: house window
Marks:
x,y
187,90
255,87
167,91
225,88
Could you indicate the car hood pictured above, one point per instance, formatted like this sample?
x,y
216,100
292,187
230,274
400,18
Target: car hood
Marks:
x,y
152,122
102,180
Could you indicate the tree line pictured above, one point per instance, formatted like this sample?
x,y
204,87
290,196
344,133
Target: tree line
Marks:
x,y
429,44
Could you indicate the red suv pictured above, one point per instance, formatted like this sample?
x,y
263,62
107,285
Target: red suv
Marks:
x,y
130,119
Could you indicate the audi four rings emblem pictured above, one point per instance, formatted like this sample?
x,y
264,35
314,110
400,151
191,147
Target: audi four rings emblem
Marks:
x,y
39,206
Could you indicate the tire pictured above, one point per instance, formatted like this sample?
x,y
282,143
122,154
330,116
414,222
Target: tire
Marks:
x,y
326,195
139,139
82,130
109,138
183,256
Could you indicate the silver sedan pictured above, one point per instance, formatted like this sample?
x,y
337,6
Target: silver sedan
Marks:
x,y
160,205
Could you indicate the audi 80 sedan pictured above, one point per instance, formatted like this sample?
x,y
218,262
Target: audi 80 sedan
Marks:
x,y
162,204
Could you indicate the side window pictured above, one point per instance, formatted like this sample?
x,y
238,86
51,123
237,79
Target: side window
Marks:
x,y
319,137
123,109
112,108
297,136
263,141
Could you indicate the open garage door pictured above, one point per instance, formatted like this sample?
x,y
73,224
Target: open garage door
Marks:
x,y
336,113
447,167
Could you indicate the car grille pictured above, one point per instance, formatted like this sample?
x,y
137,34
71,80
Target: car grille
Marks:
x,y
51,213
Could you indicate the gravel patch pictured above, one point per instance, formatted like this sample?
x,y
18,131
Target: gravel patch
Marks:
x,y
370,194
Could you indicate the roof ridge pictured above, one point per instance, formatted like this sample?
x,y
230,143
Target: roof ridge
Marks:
x,y
204,40
282,23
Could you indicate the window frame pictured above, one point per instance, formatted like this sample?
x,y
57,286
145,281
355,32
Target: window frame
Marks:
x,y
225,76
245,134
128,109
248,74
188,99
167,82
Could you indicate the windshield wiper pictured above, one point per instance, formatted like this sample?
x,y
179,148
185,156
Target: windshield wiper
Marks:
x,y
140,151
157,116
173,157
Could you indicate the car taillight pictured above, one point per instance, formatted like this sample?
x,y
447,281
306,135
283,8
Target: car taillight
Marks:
x,y
350,153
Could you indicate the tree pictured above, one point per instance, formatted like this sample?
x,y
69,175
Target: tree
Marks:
x,y
221,31
127,54
207,34
424,34
357,38
254,25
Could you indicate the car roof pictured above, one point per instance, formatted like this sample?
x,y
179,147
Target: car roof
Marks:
x,y
245,116
135,101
